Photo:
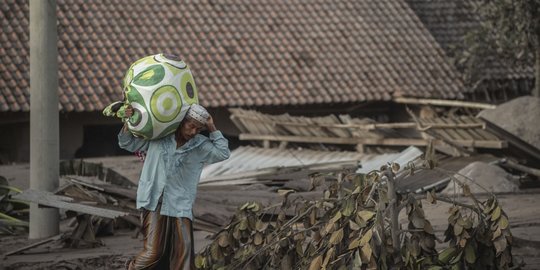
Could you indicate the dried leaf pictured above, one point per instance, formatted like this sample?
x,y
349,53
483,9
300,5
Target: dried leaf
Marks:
x,y
299,249
328,228
366,253
223,240
336,217
446,254
326,194
336,237
329,255
500,244
496,213
243,224
427,244
258,239
200,261
430,197
466,190
453,210
354,244
255,207
470,254
415,247
373,176
261,226
281,216
348,209
285,192
353,226
215,252
236,234
316,181
244,206
317,236
458,229
357,261
503,222
328,204
316,263
366,215
366,237
491,203
457,258
417,221
462,242
395,167
496,233
313,217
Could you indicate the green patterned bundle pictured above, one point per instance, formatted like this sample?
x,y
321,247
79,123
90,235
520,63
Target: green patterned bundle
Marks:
x,y
160,89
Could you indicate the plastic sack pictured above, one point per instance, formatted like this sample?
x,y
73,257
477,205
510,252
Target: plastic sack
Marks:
x,y
160,88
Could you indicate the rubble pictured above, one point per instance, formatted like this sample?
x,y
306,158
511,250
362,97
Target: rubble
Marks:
x,y
482,178
519,117
97,196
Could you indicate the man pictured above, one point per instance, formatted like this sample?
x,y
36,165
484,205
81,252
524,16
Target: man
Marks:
x,y
168,185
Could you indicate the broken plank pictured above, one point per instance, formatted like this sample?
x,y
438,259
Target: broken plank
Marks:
x,y
113,189
371,126
444,102
83,183
54,238
48,199
519,167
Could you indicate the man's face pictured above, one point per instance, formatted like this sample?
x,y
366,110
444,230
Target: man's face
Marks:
x,y
189,128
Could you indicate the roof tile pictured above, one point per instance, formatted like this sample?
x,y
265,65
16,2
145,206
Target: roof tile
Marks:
x,y
274,52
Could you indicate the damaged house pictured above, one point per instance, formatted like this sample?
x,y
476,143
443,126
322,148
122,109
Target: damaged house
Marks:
x,y
354,57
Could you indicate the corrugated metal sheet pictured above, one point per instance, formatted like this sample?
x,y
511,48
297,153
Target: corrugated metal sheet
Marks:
x,y
402,158
247,158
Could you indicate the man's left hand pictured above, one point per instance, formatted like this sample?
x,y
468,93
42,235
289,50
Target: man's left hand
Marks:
x,y
210,124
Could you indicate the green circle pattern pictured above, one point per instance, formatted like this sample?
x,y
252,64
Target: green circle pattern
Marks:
x,y
159,102
188,78
150,76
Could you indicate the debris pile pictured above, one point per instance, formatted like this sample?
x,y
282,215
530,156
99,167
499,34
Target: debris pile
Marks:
x,y
482,178
519,117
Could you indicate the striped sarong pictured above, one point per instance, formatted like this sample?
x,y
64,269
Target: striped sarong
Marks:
x,y
168,243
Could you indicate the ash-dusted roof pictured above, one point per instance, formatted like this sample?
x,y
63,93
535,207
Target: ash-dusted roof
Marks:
x,y
449,21
242,53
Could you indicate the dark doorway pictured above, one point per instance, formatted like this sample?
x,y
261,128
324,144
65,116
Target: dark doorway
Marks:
x,y
100,141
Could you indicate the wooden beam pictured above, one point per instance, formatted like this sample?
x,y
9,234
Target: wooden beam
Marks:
x,y
370,141
443,102
371,126
51,239
517,145
519,167
49,199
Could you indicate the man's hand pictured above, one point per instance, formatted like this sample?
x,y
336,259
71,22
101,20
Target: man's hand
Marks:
x,y
129,111
210,124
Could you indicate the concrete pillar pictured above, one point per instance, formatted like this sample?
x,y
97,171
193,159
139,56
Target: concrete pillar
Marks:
x,y
44,142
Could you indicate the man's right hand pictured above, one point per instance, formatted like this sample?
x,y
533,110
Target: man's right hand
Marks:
x,y
129,111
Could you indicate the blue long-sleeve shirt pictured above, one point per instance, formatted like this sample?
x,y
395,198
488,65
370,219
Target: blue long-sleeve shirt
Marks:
x,y
172,173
